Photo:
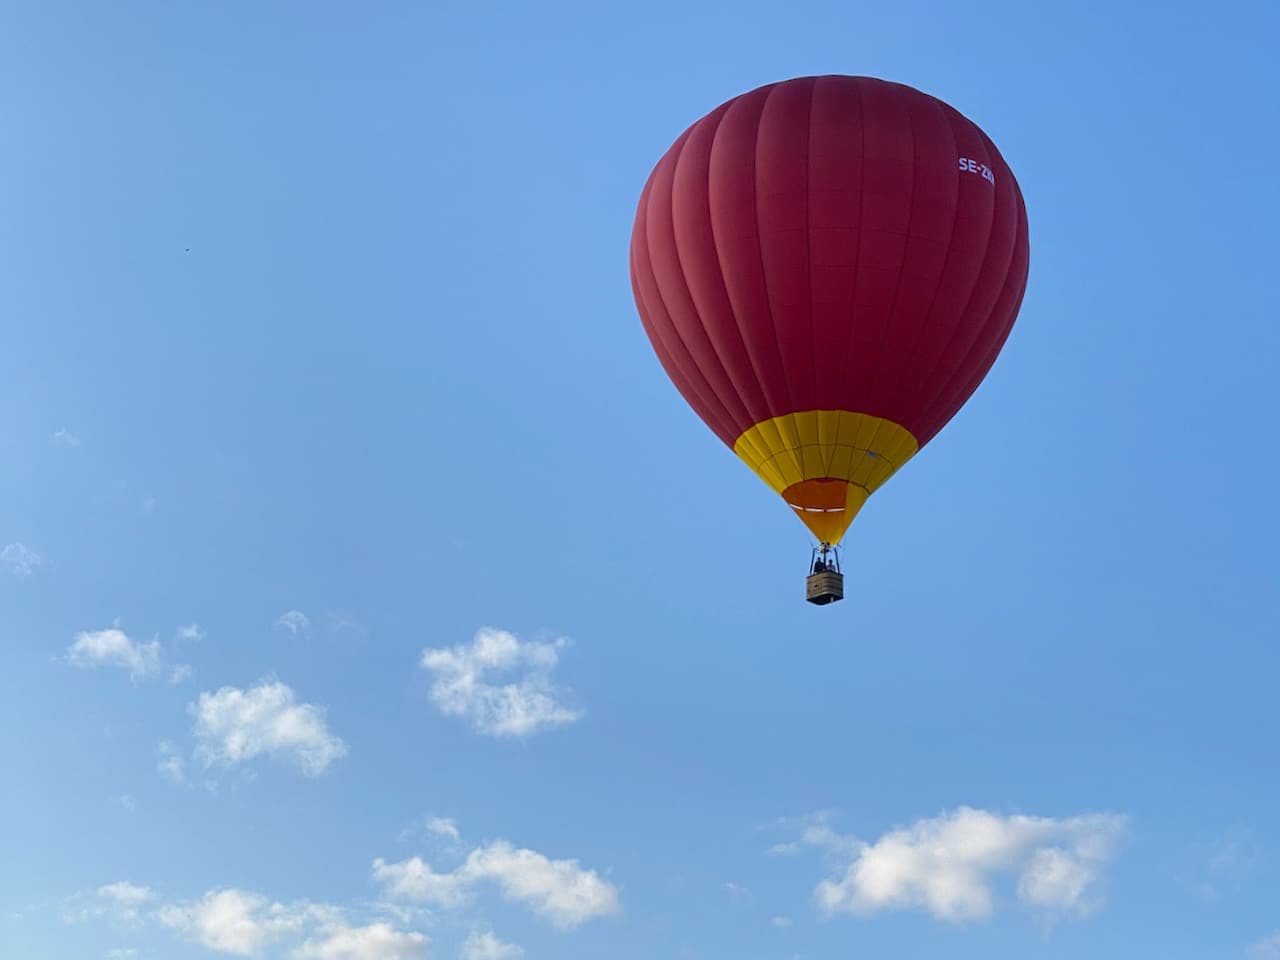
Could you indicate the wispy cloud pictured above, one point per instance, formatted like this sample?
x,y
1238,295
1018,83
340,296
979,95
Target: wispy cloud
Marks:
x,y
62,437
340,623
1223,865
126,894
20,560
128,802
443,827
234,725
114,648
377,941
295,621
234,921
485,946
780,922
947,865
120,902
814,830
417,881
1268,948
246,923
559,890
522,706
440,828
171,765
191,633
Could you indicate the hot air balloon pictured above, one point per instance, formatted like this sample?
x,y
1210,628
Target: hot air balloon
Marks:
x,y
827,267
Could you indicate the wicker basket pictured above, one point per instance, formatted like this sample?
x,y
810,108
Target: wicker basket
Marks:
x,y
825,587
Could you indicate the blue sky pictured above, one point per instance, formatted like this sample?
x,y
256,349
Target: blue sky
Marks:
x,y
360,597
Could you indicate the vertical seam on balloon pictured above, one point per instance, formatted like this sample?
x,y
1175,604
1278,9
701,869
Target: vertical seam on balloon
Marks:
x,y
906,244
979,373
797,453
958,391
675,327
857,240
746,350
684,276
828,458
728,426
944,395
858,237
760,452
955,218
923,439
720,263
678,376
653,329
981,369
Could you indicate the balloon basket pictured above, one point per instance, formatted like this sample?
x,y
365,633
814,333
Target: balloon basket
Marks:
x,y
825,587
825,583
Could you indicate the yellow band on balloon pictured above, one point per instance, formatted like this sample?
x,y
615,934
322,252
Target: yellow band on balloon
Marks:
x,y
825,463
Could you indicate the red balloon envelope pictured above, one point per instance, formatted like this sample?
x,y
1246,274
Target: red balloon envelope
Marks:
x,y
827,268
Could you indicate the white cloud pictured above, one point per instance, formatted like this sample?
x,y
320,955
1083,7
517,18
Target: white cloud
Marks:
x,y
781,922
20,560
525,705
737,892
557,889
438,827
1268,948
947,865
815,831
191,633
63,437
170,765
339,623
377,941
294,621
121,901
1224,864
415,879
234,725
245,923
233,921
403,913
444,827
1055,878
128,802
126,894
112,647
485,946
122,953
